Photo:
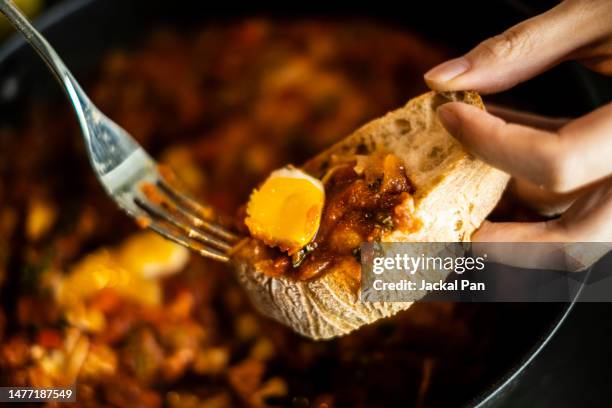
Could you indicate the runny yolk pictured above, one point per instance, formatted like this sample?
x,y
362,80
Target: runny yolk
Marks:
x,y
286,210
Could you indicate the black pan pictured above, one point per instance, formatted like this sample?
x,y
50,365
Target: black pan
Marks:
x,y
81,30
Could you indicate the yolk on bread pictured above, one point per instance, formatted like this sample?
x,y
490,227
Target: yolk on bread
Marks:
x,y
285,211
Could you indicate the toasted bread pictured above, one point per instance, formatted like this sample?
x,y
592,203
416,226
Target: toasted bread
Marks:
x,y
453,193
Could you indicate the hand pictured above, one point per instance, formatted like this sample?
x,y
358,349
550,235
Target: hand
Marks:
x,y
557,164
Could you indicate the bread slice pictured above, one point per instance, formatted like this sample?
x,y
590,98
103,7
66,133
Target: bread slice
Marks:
x,y
454,192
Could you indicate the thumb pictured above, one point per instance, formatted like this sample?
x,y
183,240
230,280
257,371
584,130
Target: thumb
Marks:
x,y
519,53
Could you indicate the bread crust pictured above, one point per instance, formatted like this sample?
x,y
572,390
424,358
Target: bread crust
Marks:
x,y
454,192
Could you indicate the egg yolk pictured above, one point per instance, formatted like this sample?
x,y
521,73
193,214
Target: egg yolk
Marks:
x,y
286,210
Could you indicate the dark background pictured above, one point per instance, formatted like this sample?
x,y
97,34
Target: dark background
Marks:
x,y
573,370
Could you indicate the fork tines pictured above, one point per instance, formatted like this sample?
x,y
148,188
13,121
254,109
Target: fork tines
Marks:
x,y
181,219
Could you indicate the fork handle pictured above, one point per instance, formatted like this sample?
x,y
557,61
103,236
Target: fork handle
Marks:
x,y
75,93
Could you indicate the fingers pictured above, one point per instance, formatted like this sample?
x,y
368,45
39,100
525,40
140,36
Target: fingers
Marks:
x,y
544,231
540,244
578,154
502,242
522,151
584,230
527,118
589,219
546,203
521,52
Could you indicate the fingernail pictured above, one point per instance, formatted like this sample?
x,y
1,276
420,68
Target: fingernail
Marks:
x,y
449,119
447,70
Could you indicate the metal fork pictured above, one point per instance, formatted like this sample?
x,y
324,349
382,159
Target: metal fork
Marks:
x,y
125,170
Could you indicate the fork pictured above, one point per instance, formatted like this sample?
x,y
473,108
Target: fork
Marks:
x,y
139,186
